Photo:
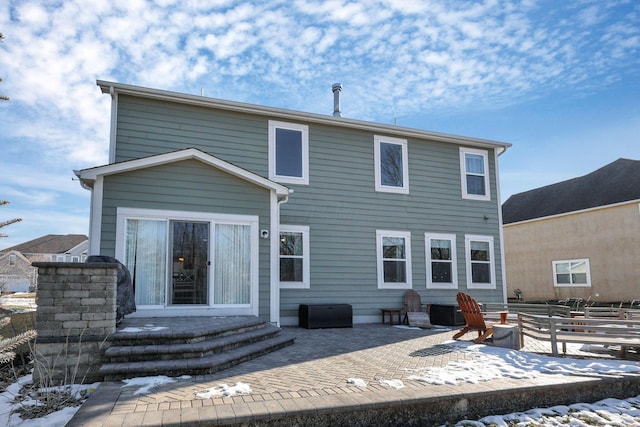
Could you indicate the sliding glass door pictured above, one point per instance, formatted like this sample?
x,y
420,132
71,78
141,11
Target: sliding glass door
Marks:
x,y
189,282
198,261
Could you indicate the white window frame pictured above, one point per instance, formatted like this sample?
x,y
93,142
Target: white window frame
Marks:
x,y
306,282
468,238
405,164
428,237
304,129
380,234
570,262
251,309
463,174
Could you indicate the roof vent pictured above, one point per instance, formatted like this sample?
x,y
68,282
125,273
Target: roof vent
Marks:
x,y
336,88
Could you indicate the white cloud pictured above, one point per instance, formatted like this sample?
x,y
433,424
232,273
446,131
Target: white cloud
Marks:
x,y
395,58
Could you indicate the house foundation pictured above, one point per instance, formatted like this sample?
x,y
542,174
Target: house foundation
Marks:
x,y
76,313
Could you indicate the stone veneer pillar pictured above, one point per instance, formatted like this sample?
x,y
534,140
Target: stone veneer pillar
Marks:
x,y
76,313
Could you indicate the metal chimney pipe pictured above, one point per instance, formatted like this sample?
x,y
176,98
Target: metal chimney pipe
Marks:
x,y
336,88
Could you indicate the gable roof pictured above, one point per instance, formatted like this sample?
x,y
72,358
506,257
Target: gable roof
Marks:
x,y
49,244
18,254
281,113
88,176
616,182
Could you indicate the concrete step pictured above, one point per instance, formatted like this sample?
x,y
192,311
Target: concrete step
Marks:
x,y
194,366
188,350
183,330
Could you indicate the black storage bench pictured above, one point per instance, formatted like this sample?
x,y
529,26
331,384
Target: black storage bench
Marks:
x,y
446,315
314,316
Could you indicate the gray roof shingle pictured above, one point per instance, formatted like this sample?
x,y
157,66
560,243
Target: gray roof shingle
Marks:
x,y
49,244
616,182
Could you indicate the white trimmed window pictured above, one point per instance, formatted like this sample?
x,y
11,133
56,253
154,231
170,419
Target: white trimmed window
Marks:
x,y
474,168
480,264
442,270
288,152
393,259
391,164
575,272
294,256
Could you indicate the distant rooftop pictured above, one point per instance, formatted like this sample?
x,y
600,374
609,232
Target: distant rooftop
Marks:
x,y
49,244
616,182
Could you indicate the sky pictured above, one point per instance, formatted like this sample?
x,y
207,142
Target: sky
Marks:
x,y
558,80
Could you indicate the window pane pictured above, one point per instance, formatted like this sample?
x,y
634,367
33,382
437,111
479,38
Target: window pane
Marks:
x,y
479,251
480,273
291,243
474,163
563,278
579,267
562,268
579,279
441,249
232,269
391,165
146,249
395,272
291,270
393,247
288,152
441,272
475,185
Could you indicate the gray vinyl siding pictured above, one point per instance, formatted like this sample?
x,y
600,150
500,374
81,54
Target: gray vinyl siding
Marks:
x,y
340,204
191,186
149,127
344,211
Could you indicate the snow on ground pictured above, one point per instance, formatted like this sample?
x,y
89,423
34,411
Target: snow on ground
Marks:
x,y
59,418
488,363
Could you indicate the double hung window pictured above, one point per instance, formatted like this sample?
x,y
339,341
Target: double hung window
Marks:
x,y
474,167
288,152
294,256
441,261
480,263
574,272
394,259
391,164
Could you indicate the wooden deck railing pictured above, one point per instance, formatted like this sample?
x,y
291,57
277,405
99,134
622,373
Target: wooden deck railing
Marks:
x,y
539,309
616,332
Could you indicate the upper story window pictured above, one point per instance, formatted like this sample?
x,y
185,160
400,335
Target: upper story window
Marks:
x,y
474,169
575,272
391,164
12,259
394,259
288,152
480,264
294,256
442,267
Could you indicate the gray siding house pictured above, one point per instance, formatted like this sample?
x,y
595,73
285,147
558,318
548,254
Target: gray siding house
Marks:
x,y
226,208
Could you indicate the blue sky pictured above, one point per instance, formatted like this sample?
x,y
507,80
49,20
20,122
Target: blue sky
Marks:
x,y
560,80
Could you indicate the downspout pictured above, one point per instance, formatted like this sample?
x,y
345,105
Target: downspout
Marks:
x,y
84,185
499,152
114,119
274,301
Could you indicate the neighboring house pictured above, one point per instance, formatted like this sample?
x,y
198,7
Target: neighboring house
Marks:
x,y
225,208
16,273
578,238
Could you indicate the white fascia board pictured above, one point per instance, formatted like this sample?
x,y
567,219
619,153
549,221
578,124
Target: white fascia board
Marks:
x,y
579,211
292,115
89,175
